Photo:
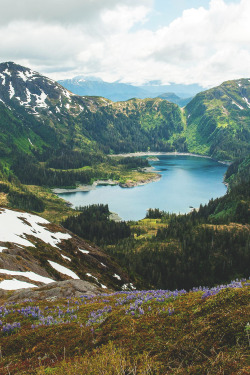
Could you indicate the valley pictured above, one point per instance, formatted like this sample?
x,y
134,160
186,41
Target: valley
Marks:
x,y
156,291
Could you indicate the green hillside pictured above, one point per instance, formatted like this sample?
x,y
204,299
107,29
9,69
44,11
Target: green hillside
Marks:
x,y
218,121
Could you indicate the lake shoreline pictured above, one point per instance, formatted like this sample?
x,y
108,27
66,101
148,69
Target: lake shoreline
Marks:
x,y
161,153
128,184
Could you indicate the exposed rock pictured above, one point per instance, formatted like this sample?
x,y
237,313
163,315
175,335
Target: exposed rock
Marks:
x,y
53,291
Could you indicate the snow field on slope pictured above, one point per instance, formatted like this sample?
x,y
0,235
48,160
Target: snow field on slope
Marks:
x,y
30,275
14,226
15,284
63,270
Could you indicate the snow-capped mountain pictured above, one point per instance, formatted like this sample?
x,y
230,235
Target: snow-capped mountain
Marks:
x,y
37,94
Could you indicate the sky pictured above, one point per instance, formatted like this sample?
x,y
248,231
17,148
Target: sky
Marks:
x,y
131,41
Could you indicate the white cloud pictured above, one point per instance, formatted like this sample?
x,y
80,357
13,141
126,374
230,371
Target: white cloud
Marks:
x,y
60,11
109,38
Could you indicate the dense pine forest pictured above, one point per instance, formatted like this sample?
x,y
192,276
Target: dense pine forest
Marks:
x,y
93,224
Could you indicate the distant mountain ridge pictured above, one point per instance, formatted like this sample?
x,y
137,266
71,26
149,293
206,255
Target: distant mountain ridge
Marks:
x,y
117,91
172,97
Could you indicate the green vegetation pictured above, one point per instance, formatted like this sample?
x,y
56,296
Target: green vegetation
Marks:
x,y
25,201
93,224
207,246
218,121
149,332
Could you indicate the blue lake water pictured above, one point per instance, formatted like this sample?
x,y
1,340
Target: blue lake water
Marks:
x,y
186,181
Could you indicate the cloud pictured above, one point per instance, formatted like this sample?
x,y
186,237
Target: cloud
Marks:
x,y
59,11
110,39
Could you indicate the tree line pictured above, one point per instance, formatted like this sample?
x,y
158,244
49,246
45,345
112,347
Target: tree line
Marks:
x,y
93,224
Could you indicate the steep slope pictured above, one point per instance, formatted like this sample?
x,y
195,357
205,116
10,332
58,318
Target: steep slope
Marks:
x,y
34,252
218,121
59,118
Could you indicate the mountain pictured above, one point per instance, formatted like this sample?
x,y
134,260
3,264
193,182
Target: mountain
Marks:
x,y
181,90
48,134
218,121
34,253
58,117
171,97
117,91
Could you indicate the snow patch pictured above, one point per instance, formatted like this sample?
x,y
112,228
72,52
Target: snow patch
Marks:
x,y
14,226
15,284
30,73
117,276
3,248
40,100
57,109
103,264
67,94
3,78
28,96
84,251
89,274
11,90
239,106
128,287
63,270
67,258
246,100
30,142
22,76
103,286
67,106
6,71
30,275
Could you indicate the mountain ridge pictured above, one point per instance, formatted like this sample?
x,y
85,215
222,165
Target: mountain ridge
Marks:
x,y
117,91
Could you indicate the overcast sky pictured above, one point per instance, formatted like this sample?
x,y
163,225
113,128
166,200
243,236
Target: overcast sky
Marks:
x,y
134,41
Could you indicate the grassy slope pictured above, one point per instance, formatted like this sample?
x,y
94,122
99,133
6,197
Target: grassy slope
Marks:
x,y
178,334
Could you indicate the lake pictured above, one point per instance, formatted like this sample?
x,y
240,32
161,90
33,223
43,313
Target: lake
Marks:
x,y
186,182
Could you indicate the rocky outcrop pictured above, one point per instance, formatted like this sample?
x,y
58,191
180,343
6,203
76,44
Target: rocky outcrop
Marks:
x,y
53,291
